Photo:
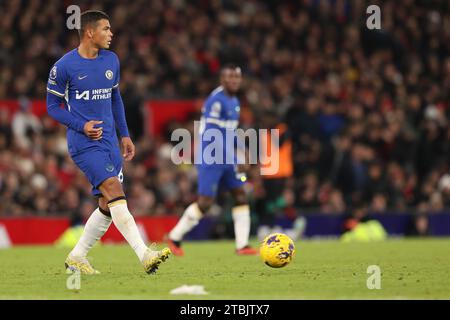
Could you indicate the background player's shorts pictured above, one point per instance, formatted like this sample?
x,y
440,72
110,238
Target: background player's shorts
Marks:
x,y
98,165
213,177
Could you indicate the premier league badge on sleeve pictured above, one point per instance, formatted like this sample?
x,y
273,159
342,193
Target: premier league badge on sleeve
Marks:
x,y
109,74
53,73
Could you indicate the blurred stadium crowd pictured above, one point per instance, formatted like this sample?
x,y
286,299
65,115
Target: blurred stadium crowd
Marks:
x,y
367,111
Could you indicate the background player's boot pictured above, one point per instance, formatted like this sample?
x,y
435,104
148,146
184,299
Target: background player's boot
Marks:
x,y
175,248
79,264
152,259
247,251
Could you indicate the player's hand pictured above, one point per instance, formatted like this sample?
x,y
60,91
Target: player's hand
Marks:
x,y
127,148
91,132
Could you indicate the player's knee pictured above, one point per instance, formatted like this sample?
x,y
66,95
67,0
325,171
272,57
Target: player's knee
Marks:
x,y
111,188
240,198
204,203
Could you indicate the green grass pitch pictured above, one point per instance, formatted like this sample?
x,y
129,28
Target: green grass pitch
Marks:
x,y
410,269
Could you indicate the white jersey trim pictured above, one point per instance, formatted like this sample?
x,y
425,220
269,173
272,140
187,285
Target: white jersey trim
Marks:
x,y
226,124
56,93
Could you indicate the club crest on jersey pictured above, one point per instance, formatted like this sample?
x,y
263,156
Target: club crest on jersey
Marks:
x,y
109,74
53,73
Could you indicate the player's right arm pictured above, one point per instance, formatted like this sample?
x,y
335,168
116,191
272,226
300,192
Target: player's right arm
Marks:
x,y
56,91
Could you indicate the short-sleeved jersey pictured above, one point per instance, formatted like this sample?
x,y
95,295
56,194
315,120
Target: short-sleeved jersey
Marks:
x,y
86,85
220,112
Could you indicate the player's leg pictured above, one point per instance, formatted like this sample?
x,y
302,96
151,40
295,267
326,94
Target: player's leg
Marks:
x,y
92,164
103,206
208,181
112,190
240,212
190,218
95,227
102,170
241,220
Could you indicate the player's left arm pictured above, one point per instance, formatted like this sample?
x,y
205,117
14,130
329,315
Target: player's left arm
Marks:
x,y
118,110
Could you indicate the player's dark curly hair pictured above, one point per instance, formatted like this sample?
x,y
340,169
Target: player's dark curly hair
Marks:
x,y
89,17
229,65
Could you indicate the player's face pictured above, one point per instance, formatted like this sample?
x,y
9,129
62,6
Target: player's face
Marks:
x,y
102,35
231,80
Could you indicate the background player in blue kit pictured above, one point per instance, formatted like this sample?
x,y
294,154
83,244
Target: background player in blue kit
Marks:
x,y
86,82
221,112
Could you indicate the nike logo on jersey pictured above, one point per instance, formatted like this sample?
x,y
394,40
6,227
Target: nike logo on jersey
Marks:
x,y
81,78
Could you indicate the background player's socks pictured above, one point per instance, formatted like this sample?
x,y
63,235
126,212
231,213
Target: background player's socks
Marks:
x,y
188,221
95,228
241,219
125,223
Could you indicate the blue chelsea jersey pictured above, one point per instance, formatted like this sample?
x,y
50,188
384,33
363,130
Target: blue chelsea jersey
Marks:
x,y
87,86
221,112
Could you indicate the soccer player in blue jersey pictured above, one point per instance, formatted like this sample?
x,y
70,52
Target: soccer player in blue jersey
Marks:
x,y
83,94
221,112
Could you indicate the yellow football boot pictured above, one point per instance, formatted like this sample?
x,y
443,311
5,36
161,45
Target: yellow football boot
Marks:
x,y
152,259
79,264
